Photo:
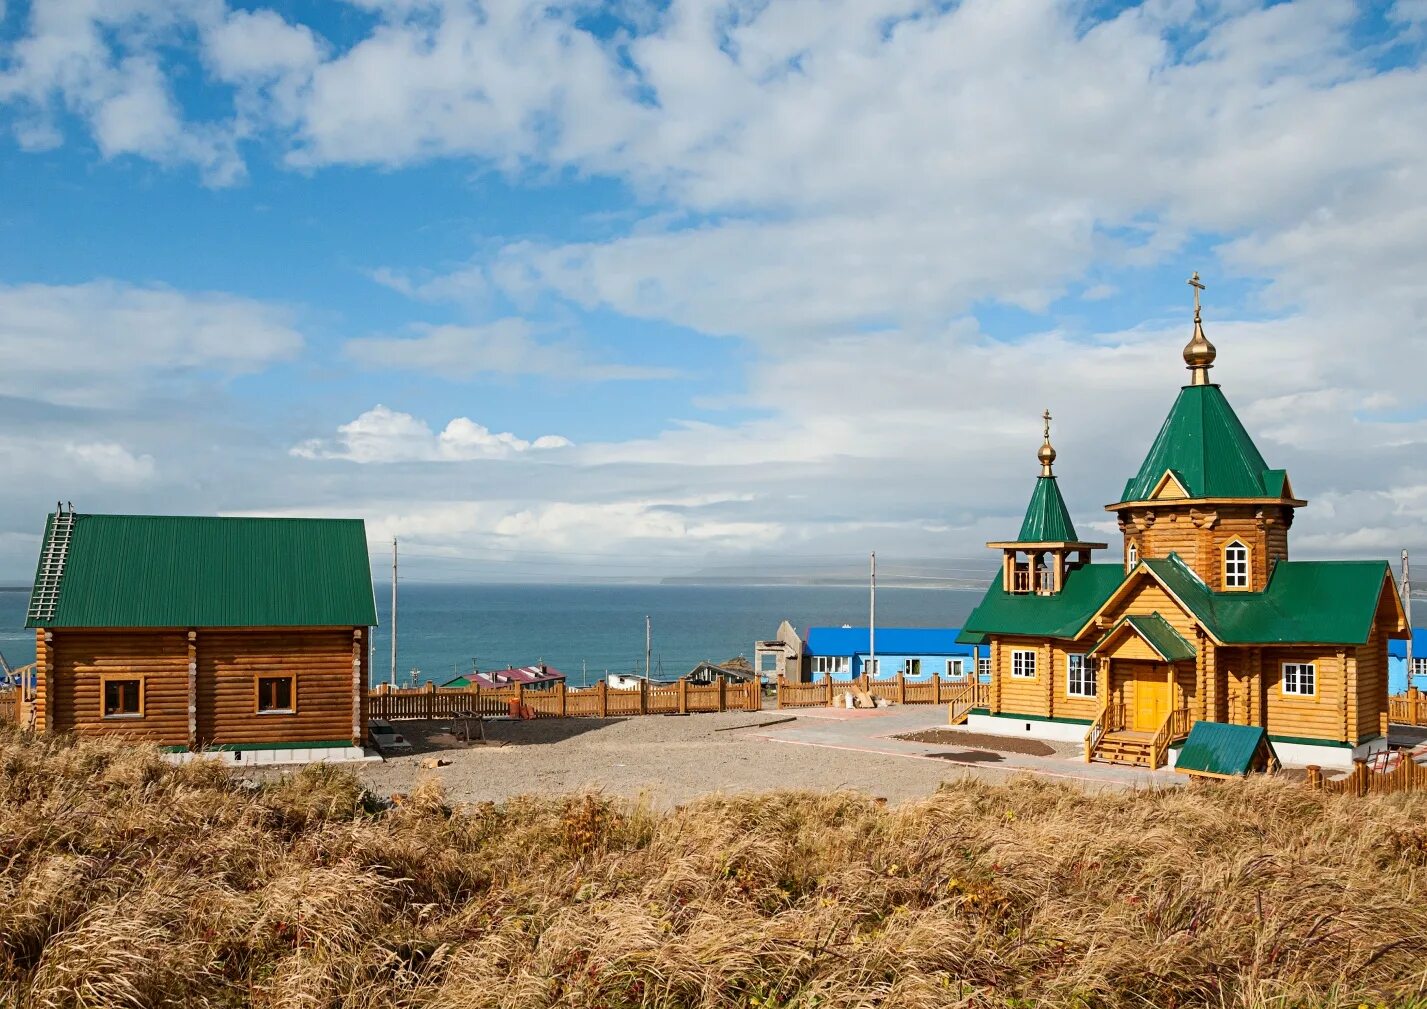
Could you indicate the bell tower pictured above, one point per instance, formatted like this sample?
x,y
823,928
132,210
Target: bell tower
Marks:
x,y
1037,561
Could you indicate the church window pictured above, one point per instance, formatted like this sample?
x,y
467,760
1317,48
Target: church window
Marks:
x,y
1080,676
1023,665
1236,565
1132,557
1300,679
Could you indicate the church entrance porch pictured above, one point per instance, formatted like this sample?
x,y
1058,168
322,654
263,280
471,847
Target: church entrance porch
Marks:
x,y
1145,714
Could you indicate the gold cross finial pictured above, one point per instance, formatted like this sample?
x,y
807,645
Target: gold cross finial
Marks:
x,y
1046,417
1046,455
1194,283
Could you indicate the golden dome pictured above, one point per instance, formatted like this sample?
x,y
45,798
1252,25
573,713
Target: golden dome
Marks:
x,y
1046,455
1199,353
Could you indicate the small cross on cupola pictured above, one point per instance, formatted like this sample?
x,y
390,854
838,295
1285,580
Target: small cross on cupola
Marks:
x,y
1199,353
1047,549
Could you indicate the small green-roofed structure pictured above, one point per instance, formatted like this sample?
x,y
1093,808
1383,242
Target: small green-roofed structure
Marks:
x,y
1054,616
1047,518
1155,631
1219,750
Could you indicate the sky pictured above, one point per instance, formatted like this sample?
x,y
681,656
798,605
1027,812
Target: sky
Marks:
x,y
567,290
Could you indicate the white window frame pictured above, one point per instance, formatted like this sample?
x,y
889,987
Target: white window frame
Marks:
x,y
983,665
1236,570
911,667
956,669
1086,672
870,666
1132,557
1419,667
1024,660
829,665
1292,685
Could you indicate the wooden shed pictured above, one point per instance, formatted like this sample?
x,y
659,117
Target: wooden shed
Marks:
x,y
241,634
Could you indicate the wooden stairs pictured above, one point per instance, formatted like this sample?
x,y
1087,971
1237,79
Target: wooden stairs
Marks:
x,y
1110,742
967,698
1124,747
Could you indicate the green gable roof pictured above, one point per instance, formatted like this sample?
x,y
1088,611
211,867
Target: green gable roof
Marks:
x,y
168,571
1058,616
1158,634
1304,602
1207,449
1047,519
1219,749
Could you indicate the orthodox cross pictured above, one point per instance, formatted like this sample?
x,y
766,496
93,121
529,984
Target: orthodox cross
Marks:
x,y
1194,283
1046,416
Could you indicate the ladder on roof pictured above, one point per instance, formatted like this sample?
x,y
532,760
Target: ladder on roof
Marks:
x,y
46,594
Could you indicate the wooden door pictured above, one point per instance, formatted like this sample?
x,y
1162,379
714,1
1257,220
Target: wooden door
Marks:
x,y
1152,697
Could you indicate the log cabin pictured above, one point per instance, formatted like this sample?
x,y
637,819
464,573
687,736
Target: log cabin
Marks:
x,y
1205,619
247,636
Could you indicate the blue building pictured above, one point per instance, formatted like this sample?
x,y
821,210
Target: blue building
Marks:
x,y
919,653
1397,679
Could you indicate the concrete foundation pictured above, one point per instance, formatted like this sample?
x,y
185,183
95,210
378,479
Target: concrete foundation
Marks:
x,y
1027,728
260,757
1339,757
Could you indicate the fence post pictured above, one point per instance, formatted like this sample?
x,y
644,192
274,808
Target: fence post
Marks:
x,y
683,697
1360,777
827,687
936,689
644,697
901,687
778,690
722,694
563,704
602,695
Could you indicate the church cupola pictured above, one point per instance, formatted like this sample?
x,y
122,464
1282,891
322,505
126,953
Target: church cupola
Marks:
x,y
1037,560
1199,353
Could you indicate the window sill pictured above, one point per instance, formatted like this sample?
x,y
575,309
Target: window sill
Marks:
x,y
278,711
122,718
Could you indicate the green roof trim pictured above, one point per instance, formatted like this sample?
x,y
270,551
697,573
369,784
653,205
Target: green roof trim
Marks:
x,y
1061,615
1222,750
1047,519
1304,602
965,637
183,571
1156,632
1206,447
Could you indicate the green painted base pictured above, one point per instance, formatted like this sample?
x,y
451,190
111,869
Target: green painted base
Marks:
x,y
1041,718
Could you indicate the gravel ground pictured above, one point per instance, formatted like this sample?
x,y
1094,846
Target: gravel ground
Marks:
x,y
663,760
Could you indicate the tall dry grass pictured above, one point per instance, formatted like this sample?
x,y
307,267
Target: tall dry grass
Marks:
x,y
127,882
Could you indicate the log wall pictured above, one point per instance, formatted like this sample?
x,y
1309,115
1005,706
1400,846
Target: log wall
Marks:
x,y
1331,714
79,658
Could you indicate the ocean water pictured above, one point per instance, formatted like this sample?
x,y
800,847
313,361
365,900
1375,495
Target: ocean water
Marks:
x,y
594,628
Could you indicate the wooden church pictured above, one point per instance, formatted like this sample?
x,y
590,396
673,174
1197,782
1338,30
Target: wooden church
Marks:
x,y
1206,618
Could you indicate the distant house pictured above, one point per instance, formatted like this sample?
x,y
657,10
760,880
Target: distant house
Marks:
x,y
632,681
781,656
1397,672
247,635
732,671
539,677
845,653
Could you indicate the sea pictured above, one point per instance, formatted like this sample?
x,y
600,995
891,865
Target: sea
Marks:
x,y
586,631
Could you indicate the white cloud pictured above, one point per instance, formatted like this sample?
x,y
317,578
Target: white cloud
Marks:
x,y
383,435
505,347
111,463
105,343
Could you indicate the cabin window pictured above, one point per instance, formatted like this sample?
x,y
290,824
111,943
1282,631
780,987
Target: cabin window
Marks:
x,y
1132,556
123,697
983,666
1236,565
828,664
1300,678
870,667
1079,676
956,668
1023,665
276,695
912,667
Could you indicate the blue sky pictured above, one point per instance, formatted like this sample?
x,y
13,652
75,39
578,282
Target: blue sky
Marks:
x,y
640,289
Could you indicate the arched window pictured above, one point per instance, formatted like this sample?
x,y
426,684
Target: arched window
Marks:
x,y
1132,557
1236,565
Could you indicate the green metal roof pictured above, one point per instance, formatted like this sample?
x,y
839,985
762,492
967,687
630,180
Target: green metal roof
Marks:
x,y
1047,519
1207,449
965,637
1219,748
1304,602
179,571
1156,632
1056,616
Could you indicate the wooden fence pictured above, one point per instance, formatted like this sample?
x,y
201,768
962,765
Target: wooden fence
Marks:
x,y
10,703
1408,776
895,690
1408,709
560,701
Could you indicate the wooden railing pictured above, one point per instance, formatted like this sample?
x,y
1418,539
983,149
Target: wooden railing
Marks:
x,y
560,701
1408,776
1175,728
1408,709
1110,719
964,698
898,689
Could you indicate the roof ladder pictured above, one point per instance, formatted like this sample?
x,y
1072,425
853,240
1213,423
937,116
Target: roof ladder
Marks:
x,y
46,593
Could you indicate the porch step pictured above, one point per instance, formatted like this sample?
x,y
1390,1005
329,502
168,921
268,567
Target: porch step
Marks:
x,y
1122,750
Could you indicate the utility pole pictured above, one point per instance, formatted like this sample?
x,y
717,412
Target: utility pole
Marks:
x,y
648,643
1407,606
393,613
872,619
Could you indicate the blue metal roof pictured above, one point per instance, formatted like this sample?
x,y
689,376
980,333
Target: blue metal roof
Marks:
x,y
890,641
1398,649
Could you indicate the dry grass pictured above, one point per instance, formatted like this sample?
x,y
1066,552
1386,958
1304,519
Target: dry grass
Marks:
x,y
124,882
